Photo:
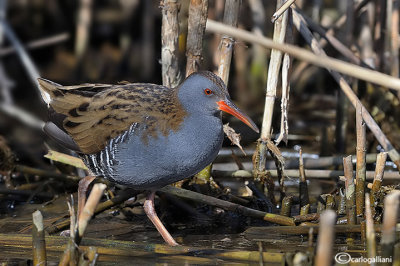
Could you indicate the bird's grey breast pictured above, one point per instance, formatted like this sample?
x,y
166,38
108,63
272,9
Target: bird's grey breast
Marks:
x,y
160,160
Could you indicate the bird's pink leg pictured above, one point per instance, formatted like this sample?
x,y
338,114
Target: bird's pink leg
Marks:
x,y
151,213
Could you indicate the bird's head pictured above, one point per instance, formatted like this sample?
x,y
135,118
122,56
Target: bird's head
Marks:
x,y
205,92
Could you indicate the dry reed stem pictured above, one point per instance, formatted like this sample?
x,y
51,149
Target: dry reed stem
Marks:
x,y
231,16
378,178
303,54
326,238
350,190
171,74
337,44
380,136
394,39
82,28
361,167
286,206
370,230
341,208
65,159
391,208
273,74
39,43
38,240
305,209
303,187
286,69
329,63
89,209
82,189
281,10
196,26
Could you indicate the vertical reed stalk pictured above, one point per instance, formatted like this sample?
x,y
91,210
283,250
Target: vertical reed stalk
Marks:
x,y
286,205
82,28
371,239
196,26
350,190
231,15
378,178
391,205
38,240
171,74
194,45
326,236
273,74
361,162
303,187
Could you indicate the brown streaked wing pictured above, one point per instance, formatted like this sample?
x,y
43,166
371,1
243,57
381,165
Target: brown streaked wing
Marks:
x,y
96,114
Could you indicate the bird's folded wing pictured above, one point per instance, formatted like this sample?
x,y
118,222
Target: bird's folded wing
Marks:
x,y
95,113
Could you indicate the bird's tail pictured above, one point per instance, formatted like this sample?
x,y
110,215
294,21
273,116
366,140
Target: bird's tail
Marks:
x,y
48,89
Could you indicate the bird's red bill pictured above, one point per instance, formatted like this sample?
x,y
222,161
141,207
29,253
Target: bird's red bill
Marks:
x,y
230,108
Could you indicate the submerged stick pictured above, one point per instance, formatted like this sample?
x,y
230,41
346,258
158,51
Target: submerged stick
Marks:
x,y
226,205
38,240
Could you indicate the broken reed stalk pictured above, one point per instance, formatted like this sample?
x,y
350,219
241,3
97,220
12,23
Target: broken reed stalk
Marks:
x,y
65,159
303,187
196,25
89,210
38,240
286,206
341,209
361,167
118,199
226,205
370,234
171,74
391,208
326,236
82,189
330,202
378,178
286,76
350,190
327,62
231,16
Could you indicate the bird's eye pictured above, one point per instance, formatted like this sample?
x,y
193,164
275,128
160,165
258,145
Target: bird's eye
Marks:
x,y
208,91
